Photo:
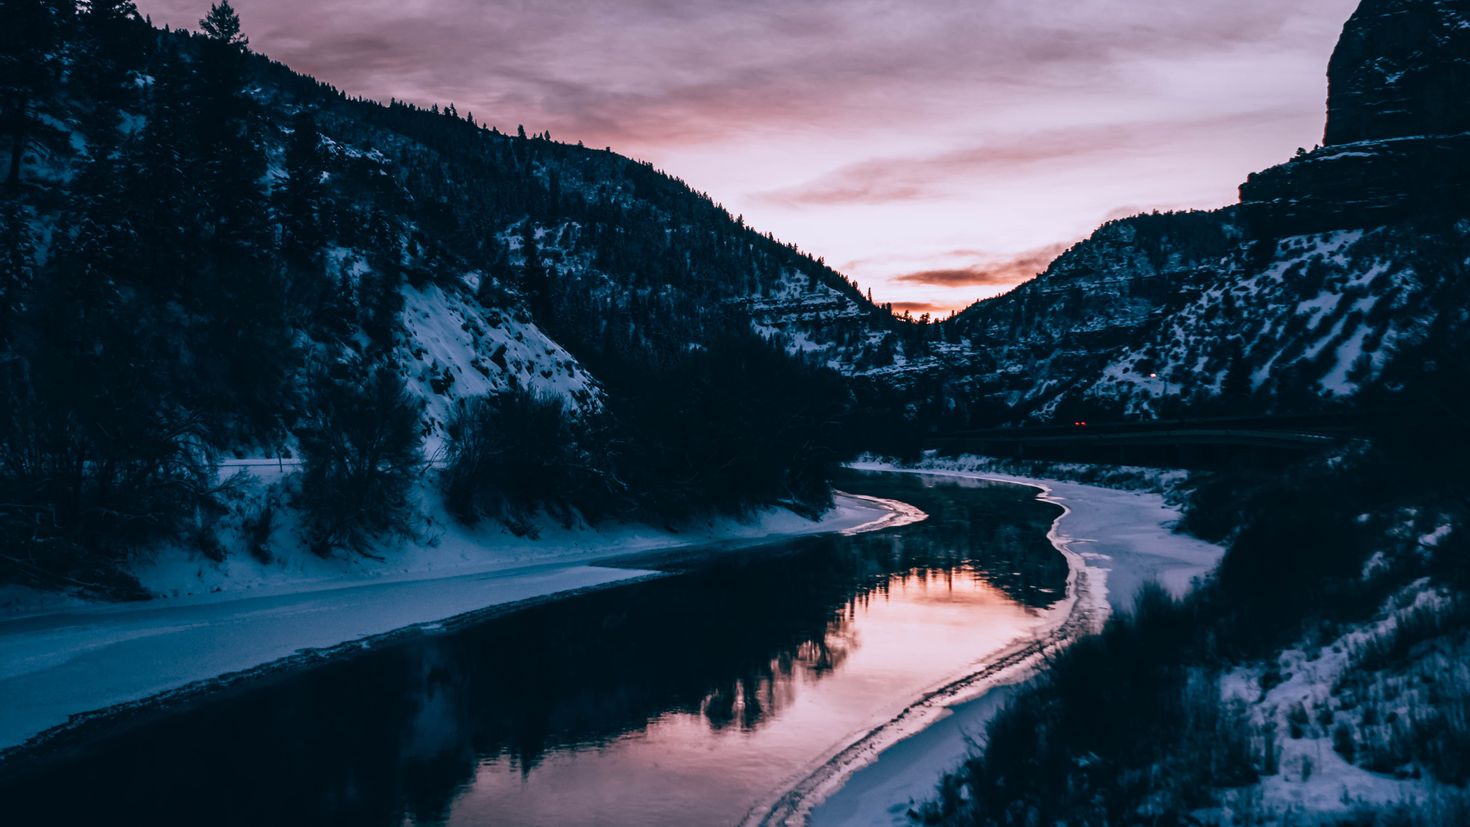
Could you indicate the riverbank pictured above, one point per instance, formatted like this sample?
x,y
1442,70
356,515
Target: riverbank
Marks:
x,y
1116,541
75,660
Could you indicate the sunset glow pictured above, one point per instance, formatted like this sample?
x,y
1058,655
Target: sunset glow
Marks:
x,y
937,152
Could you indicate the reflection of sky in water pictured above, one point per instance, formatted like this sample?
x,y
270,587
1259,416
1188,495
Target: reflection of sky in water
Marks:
x,y
682,700
884,649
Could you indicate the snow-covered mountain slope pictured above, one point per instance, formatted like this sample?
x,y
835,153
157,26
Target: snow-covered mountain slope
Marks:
x,y
1318,322
210,259
1077,320
453,349
1296,299
1226,325
445,214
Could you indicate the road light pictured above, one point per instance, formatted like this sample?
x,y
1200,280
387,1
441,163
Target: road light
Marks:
x,y
1166,382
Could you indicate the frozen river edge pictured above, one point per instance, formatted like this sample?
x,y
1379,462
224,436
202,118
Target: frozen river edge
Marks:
x,y
1114,542
62,669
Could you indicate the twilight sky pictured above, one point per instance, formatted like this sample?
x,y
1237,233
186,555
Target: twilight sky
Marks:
x,y
937,151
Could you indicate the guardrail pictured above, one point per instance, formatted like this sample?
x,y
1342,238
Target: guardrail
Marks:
x,y
1173,443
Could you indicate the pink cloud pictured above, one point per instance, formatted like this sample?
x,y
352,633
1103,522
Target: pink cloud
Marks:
x,y
920,177
1004,272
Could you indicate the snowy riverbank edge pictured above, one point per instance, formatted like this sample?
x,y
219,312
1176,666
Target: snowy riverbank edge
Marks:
x,y
1114,541
63,668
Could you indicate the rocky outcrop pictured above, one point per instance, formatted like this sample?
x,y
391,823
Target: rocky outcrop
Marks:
x,y
1359,185
1068,325
1401,69
1398,127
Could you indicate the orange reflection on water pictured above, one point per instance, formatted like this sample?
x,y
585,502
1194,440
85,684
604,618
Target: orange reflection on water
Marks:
x,y
882,650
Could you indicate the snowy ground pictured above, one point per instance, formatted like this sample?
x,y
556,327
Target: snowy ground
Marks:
x,y
242,615
1122,539
1318,694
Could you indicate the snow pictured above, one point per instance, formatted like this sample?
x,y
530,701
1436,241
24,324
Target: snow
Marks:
x,y
450,339
1310,313
243,615
1348,354
1314,782
1125,539
882,793
56,665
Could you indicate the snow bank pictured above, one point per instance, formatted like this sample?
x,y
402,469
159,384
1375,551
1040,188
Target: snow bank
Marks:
x,y
442,547
243,615
56,665
1125,539
1305,704
1127,536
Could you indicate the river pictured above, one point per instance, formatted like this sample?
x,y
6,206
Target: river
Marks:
x,y
693,698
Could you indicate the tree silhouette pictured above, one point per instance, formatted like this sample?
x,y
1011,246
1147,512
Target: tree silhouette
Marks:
x,y
222,25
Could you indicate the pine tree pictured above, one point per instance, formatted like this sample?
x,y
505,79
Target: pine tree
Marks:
x,y
336,311
500,274
116,36
30,40
247,354
534,281
164,182
222,25
1238,386
234,161
301,193
17,264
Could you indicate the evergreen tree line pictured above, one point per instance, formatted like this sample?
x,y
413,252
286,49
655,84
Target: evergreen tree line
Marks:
x,y
731,425
150,328
169,295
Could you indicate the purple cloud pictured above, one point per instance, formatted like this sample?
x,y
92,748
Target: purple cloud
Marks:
x,y
933,124
994,272
918,178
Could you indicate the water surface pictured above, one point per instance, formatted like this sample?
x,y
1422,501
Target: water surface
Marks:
x,y
684,700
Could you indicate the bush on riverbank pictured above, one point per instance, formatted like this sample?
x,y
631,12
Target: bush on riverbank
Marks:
x,y
360,447
1343,586
1080,742
514,454
730,427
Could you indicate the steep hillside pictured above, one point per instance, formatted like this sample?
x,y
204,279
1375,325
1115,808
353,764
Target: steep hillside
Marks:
x,y
627,258
1317,677
209,256
1294,300
1034,345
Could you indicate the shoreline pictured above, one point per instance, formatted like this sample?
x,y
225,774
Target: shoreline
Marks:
x,y
1008,665
909,753
164,652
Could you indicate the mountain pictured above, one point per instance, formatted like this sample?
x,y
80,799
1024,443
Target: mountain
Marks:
x,y
1400,70
631,258
1295,299
212,257
1317,675
1397,142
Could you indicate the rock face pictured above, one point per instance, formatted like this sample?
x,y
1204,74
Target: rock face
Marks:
x,y
1332,263
1352,186
1401,69
1069,324
1398,127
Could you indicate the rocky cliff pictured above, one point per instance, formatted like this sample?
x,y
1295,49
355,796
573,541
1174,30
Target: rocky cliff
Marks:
x,y
1398,114
1333,263
1400,70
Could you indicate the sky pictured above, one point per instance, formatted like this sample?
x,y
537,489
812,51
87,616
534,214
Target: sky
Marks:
x,y
938,152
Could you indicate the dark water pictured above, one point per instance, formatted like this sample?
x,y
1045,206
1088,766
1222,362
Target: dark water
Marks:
x,y
684,700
